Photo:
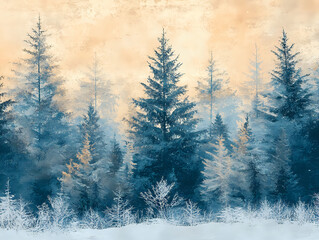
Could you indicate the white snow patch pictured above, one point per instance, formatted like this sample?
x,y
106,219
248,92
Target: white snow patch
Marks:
x,y
166,231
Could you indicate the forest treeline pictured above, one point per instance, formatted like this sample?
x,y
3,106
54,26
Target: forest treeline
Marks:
x,y
196,148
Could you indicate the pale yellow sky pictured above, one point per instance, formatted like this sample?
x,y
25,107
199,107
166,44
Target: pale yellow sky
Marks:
x,y
124,33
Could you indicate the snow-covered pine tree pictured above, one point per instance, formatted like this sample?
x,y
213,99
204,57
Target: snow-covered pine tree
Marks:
x,y
285,180
4,128
208,88
312,131
88,174
215,96
192,214
218,173
256,83
289,99
254,183
120,213
61,212
90,127
97,89
44,125
7,209
289,104
8,151
81,181
246,166
116,157
13,213
219,128
160,199
163,130
241,157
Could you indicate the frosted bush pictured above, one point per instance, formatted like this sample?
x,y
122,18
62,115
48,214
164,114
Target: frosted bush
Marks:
x,y
13,213
120,213
229,215
316,205
281,213
24,220
92,219
43,221
303,213
265,211
61,213
192,214
159,199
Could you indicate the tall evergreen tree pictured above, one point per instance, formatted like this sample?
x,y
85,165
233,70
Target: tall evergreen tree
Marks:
x,y
246,165
289,105
43,123
97,89
208,89
220,129
5,148
116,157
285,180
81,181
91,127
163,130
256,83
289,99
215,96
99,162
12,153
218,173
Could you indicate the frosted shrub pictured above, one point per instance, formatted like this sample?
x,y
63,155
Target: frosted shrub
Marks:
x,y
303,213
61,213
247,215
316,205
92,219
43,221
7,209
120,213
192,214
230,215
159,199
13,213
265,211
281,212
24,220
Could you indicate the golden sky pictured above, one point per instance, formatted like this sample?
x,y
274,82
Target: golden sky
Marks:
x,y
124,32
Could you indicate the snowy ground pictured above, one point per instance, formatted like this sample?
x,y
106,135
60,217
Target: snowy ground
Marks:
x,y
165,231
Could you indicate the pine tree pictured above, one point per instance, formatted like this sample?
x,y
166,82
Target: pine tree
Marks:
x,y
97,89
290,106
218,173
289,99
89,173
116,157
80,182
163,130
13,213
254,183
91,127
120,213
241,158
208,89
219,128
246,166
6,150
285,180
215,96
256,83
43,124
